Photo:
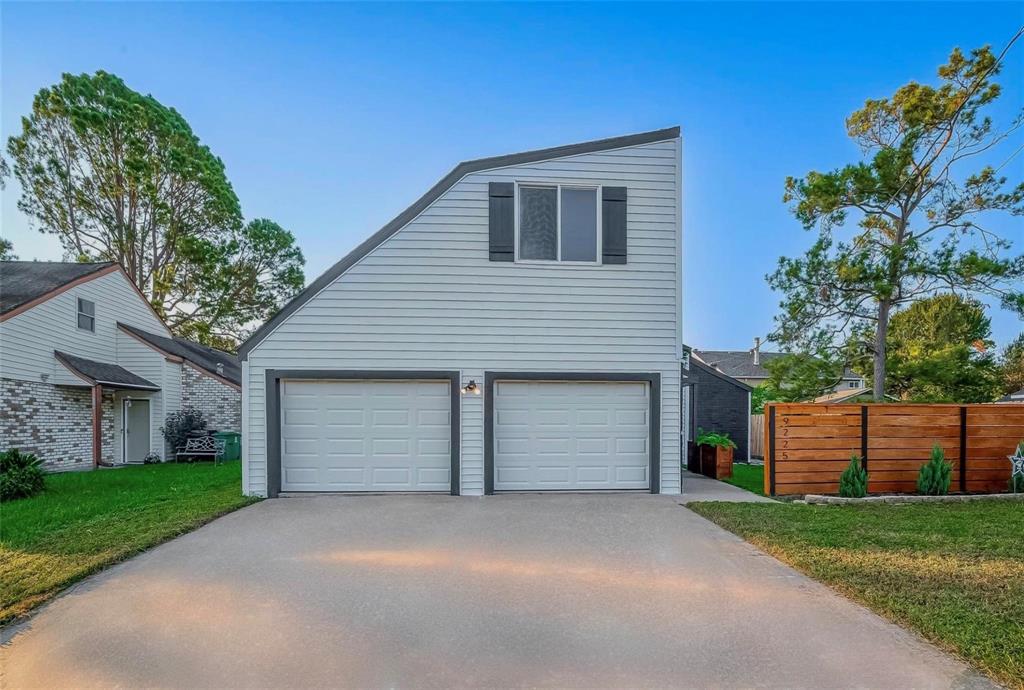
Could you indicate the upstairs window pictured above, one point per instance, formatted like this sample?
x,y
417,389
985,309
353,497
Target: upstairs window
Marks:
x,y
86,315
558,223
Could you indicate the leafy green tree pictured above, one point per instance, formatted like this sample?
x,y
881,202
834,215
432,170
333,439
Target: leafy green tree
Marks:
x,y
918,218
795,377
7,250
116,175
940,349
758,397
1011,367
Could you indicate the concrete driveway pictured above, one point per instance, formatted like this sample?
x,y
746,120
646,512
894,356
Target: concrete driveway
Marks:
x,y
430,591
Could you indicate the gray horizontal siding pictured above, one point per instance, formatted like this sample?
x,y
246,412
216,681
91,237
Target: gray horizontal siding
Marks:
x,y
428,298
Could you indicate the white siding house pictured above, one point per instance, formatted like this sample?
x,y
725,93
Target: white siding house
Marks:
x,y
88,371
433,339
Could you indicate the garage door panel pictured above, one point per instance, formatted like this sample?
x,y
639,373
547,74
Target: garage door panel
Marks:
x,y
565,435
365,435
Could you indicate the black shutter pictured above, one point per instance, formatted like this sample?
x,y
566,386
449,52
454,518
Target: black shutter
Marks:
x,y
613,225
502,221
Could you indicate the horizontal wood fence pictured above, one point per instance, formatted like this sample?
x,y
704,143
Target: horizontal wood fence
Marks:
x,y
757,435
808,446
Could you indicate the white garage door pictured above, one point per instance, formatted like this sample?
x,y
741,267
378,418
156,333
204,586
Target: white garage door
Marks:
x,y
365,436
571,435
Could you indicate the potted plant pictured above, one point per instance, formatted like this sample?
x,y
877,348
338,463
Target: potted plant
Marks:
x,y
715,453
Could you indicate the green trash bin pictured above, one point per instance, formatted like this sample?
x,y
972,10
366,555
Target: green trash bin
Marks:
x,y
232,444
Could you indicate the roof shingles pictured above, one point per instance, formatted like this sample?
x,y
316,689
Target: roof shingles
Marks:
x,y
22,282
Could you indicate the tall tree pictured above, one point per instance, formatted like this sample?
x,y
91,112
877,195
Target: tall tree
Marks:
x,y
919,219
797,377
116,175
940,349
1011,366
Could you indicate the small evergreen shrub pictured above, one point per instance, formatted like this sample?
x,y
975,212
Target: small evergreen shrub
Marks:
x,y
178,426
933,478
713,438
853,482
21,475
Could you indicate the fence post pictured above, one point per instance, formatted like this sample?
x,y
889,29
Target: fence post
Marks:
x,y
864,437
771,449
963,450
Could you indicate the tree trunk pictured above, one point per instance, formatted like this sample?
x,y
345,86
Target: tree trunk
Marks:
x,y
881,332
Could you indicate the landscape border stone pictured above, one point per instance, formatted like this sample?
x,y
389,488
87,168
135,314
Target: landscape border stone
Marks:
x,y
816,499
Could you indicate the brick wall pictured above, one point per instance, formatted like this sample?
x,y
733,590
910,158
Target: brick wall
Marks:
x,y
53,422
220,403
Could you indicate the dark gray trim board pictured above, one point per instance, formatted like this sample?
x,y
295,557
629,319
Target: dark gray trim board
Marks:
x,y
654,379
715,372
460,171
273,395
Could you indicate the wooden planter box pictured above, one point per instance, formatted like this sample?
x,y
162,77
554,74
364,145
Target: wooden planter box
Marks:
x,y
715,462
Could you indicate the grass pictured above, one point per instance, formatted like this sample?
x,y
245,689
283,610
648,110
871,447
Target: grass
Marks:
x,y
954,572
749,477
85,521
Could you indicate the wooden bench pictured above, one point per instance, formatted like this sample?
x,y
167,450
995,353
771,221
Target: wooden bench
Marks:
x,y
203,447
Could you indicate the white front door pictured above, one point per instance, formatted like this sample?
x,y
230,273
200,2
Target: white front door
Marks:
x,y
571,435
362,435
136,429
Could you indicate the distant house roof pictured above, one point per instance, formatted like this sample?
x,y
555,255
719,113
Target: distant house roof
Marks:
x,y
25,282
103,373
740,363
842,396
205,358
695,361
1013,397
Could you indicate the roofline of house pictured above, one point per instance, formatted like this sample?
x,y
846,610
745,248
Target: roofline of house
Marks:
x,y
177,359
725,377
64,287
435,192
98,382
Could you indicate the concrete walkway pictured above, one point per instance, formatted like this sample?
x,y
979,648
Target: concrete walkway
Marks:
x,y
697,487
433,591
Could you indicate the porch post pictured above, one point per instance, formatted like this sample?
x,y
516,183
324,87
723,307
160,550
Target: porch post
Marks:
x,y
97,425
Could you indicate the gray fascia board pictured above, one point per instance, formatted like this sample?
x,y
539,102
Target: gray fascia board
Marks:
x,y
403,218
725,377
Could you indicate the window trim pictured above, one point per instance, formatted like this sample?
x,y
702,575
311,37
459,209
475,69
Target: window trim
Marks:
x,y
558,186
79,314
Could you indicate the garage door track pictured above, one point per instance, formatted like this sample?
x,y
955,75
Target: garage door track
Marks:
x,y
433,591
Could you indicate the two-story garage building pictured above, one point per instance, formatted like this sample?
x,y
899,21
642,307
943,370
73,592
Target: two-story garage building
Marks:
x,y
89,372
516,329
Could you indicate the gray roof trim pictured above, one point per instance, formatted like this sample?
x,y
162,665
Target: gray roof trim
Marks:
x,y
203,358
104,374
714,372
403,218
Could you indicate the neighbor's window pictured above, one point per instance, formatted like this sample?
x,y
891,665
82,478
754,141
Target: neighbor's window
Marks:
x,y
558,223
854,384
86,315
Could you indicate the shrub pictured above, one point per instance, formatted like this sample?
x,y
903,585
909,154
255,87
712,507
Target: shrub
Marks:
x,y
713,438
178,425
853,482
21,475
933,479
151,459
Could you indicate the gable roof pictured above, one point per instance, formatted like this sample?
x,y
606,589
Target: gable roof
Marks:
x,y
403,218
24,283
696,362
203,357
740,363
1013,397
103,373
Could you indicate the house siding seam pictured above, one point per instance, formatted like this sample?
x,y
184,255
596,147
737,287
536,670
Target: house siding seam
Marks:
x,y
429,298
219,403
54,423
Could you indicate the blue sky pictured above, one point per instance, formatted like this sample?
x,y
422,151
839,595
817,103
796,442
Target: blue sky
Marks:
x,y
332,118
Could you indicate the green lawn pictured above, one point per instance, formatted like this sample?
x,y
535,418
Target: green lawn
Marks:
x,y
953,571
85,521
749,477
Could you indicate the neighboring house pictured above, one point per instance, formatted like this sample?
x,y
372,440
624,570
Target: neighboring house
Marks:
x,y
848,396
88,371
748,366
1017,397
717,403
516,329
